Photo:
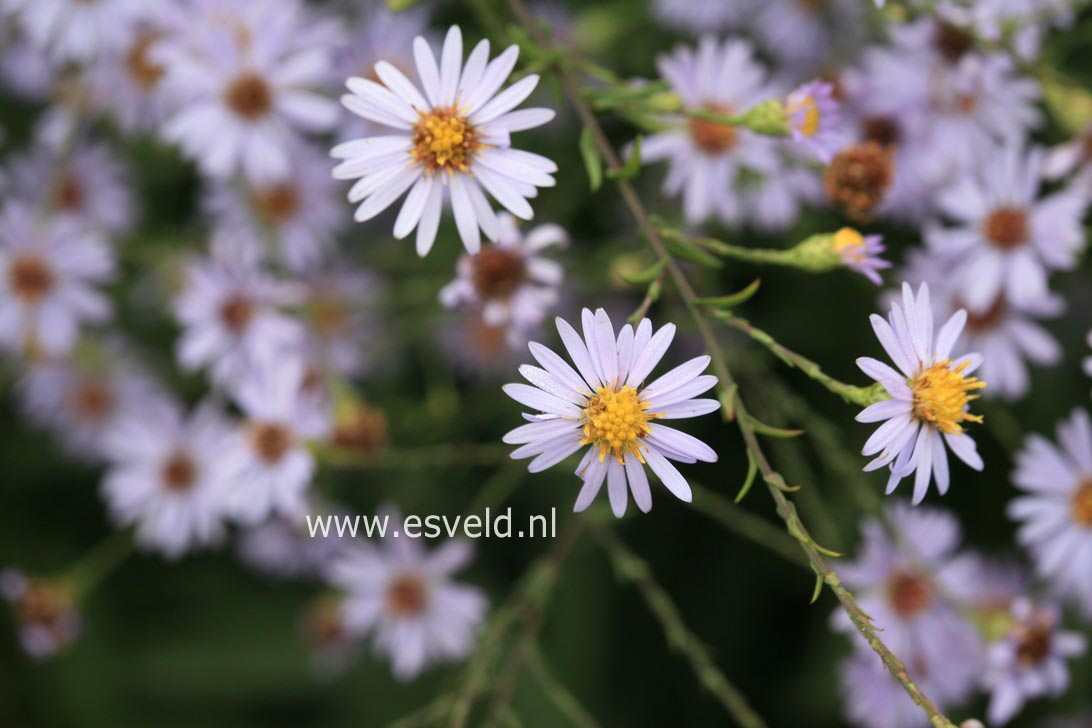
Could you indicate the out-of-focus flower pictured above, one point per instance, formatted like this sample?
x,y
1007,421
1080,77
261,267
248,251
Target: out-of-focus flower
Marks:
x,y
344,329
803,35
985,589
283,547
359,428
705,158
608,407
1071,159
49,273
76,30
25,69
453,142
89,187
897,579
510,280
1030,661
165,476
1056,514
1007,240
859,177
247,86
128,83
1005,334
873,698
379,34
294,219
405,596
814,120
477,348
861,253
45,610
82,398
230,320
930,394
331,644
268,466
701,18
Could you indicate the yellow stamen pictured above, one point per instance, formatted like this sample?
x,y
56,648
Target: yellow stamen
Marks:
x,y
444,139
615,423
810,125
850,244
941,395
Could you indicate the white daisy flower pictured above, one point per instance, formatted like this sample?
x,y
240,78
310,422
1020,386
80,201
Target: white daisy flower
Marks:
x,y
405,596
49,274
343,327
298,216
268,464
1008,240
510,280
1056,515
450,143
247,87
478,349
88,186
230,320
76,30
930,395
45,610
165,476
705,158
81,398
608,406
128,83
281,547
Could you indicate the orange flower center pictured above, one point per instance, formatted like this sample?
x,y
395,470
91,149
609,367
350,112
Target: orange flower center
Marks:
x,y
497,272
407,596
910,593
249,96
712,137
1006,228
30,277
270,440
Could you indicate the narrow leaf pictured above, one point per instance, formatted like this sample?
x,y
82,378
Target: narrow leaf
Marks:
x,y
731,300
632,165
752,470
645,276
593,162
686,251
769,430
818,589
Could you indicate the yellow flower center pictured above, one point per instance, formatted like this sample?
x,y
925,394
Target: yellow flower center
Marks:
x,y
810,125
1082,503
615,421
444,139
849,244
941,395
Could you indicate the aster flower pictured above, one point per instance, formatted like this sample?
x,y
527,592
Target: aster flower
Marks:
x,y
706,158
698,18
898,580
859,178
1007,335
165,476
1072,158
405,596
45,610
295,219
281,547
452,142
930,394
1008,240
89,187
81,398
268,464
609,407
49,273
477,348
76,30
25,69
873,698
247,85
331,644
861,253
342,322
509,280
804,35
128,82
1030,662
1056,513
230,319
814,120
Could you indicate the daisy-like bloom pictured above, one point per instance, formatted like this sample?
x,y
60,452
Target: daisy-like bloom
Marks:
x,y
510,280
298,216
873,698
268,465
814,120
248,86
699,18
861,253
129,81
341,315
81,398
282,547
46,613
706,158
859,177
452,142
1008,240
899,580
331,644
25,69
379,34
930,395
1030,661
89,187
165,476
985,588
478,349
1056,513
805,35
405,596
76,30
231,321
50,271
608,406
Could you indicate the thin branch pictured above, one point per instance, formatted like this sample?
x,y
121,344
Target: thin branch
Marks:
x,y
785,508
566,703
746,525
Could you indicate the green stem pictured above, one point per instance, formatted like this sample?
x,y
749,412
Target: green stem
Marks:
x,y
98,563
562,698
719,247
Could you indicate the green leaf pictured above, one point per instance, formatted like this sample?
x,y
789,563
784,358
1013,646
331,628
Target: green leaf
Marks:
x,y
593,162
686,251
646,276
769,430
732,300
818,589
752,470
632,165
